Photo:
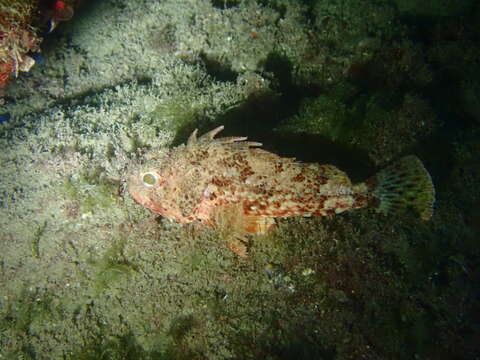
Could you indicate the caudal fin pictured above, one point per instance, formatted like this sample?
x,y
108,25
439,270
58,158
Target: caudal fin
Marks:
x,y
405,184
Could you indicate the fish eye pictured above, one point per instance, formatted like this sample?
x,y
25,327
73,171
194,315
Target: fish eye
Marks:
x,y
150,179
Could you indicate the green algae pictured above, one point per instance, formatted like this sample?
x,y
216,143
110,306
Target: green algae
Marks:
x,y
177,113
325,116
112,267
181,326
432,8
92,190
23,313
36,240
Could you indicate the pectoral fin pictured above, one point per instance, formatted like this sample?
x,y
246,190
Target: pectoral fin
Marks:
x,y
234,226
257,224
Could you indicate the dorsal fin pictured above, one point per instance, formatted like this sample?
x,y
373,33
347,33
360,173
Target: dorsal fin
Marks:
x,y
192,139
211,134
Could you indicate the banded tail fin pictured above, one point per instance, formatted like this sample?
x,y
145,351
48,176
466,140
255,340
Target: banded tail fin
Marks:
x,y
402,185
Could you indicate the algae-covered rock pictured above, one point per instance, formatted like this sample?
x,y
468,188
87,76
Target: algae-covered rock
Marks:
x,y
432,8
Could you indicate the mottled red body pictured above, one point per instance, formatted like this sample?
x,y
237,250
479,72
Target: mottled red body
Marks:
x,y
209,179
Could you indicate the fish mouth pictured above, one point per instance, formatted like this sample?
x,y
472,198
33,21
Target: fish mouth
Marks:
x,y
135,196
137,192
135,189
